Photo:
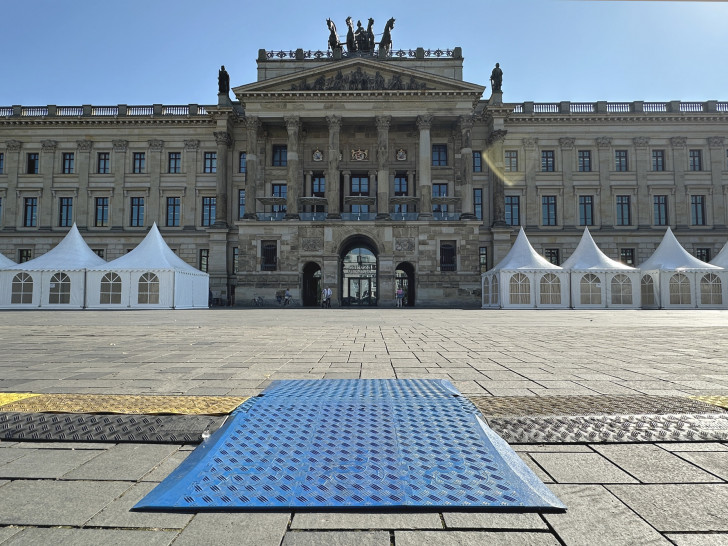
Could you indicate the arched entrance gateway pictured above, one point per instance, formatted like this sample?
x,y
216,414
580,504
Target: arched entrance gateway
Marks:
x,y
311,287
359,260
405,278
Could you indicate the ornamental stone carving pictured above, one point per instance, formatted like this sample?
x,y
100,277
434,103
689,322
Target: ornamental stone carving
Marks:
x,y
192,145
48,145
155,145
253,122
603,141
223,137
84,145
567,143
13,145
679,142
334,122
311,245
358,80
499,135
716,142
383,122
404,244
641,142
120,145
424,121
530,142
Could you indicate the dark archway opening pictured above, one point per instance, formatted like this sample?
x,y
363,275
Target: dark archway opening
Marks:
x,y
404,277
359,265
311,289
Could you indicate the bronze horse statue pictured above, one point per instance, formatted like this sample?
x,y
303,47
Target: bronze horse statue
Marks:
x,y
370,35
385,44
350,43
333,37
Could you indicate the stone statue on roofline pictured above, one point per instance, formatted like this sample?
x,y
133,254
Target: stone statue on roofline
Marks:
x,y
223,81
496,79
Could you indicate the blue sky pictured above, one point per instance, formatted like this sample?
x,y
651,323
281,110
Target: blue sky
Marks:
x,y
158,51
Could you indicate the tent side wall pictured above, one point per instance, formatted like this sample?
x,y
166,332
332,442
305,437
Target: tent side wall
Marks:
x,y
6,289
190,291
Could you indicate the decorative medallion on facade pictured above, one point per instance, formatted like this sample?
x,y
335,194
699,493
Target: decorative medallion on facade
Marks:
x,y
359,155
317,155
311,245
401,154
404,244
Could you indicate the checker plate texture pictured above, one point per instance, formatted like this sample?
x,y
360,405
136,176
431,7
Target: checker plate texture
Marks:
x,y
372,443
720,401
125,404
176,429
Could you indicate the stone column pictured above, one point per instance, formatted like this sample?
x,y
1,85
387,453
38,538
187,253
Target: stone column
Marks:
x,y
332,174
223,141
569,214
383,167
717,216
496,175
608,204
642,165
155,168
466,156
189,203
679,165
252,124
293,177
118,166
424,166
83,168
13,165
47,170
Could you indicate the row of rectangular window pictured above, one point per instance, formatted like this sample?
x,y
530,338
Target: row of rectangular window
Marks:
x,y
621,160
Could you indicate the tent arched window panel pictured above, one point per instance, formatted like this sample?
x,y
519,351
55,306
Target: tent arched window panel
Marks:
x,y
711,290
679,289
520,289
60,289
590,289
647,291
110,291
550,288
22,289
148,289
621,290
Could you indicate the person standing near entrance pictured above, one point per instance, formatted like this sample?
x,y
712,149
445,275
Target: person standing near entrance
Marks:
x,y
400,296
329,292
324,291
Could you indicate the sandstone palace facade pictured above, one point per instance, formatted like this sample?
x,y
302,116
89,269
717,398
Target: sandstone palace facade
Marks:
x,y
363,172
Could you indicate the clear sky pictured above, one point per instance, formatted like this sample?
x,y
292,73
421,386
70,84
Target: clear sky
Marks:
x,y
138,52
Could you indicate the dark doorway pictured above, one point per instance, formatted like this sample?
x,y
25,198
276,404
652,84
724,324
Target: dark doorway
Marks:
x,y
404,276
359,272
311,293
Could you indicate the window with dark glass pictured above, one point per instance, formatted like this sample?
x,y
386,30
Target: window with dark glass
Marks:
x,y
697,210
620,161
624,210
101,216
243,163
400,190
318,189
241,204
30,212
439,190
695,160
2,163
477,162
65,211
513,210
280,155
483,258
24,255
658,160
548,210
100,252
552,255
586,210
626,256
548,161
702,254
67,163
1,210
359,185
174,163
136,211
204,259
210,162
511,161
584,161
103,163
236,259
478,203
268,256
439,155
280,190
208,210
33,164
138,160
660,209
448,256
173,211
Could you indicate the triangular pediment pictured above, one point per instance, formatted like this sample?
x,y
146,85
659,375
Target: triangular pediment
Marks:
x,y
358,75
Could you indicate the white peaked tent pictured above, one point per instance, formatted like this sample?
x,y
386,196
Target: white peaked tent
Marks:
x,y
5,262
721,259
151,276
673,278
597,281
55,279
524,279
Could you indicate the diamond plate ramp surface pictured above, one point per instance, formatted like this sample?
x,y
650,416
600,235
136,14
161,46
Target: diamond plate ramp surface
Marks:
x,y
372,444
176,429
125,404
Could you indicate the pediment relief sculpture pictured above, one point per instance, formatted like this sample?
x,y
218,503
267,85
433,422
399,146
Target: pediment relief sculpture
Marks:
x,y
359,80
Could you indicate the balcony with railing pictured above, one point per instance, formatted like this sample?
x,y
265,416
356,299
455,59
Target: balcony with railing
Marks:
x,y
122,110
604,107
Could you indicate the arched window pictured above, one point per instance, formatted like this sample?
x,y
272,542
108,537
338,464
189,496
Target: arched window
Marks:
x,y
591,290
520,289
647,291
679,289
550,289
621,290
148,288
711,290
494,297
110,289
60,289
22,289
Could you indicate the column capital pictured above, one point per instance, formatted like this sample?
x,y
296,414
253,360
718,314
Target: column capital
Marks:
x,y
567,143
48,145
293,123
716,142
192,145
334,122
155,145
13,145
498,136
679,142
424,121
120,145
84,145
466,122
252,122
383,122
641,141
603,141
346,173
223,138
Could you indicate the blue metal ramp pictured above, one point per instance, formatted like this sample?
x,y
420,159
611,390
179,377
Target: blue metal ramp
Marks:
x,y
357,444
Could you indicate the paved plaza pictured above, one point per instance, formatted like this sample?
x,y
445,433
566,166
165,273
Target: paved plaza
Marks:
x,y
616,493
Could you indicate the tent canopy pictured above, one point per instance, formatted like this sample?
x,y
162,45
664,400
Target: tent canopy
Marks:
x,y
670,255
71,254
721,260
6,262
588,256
523,256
